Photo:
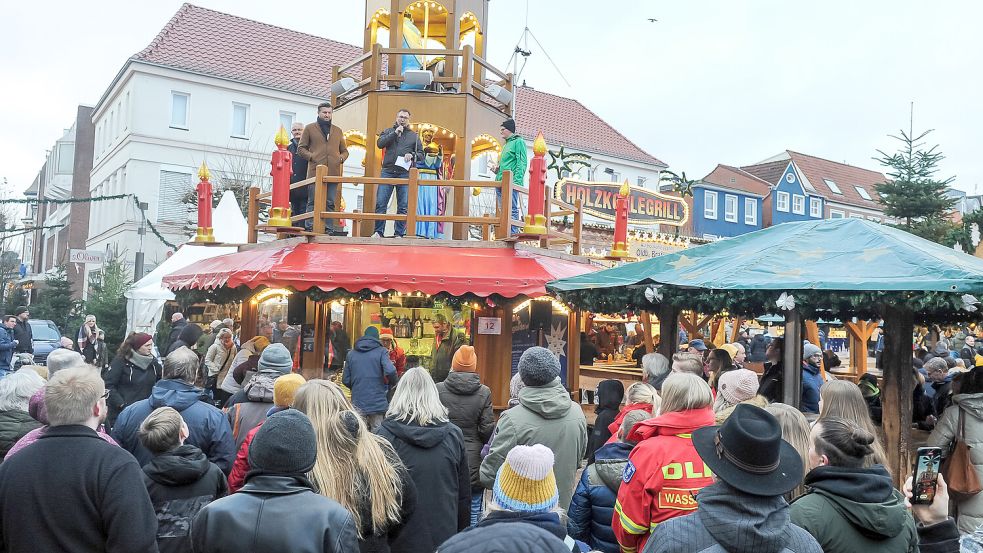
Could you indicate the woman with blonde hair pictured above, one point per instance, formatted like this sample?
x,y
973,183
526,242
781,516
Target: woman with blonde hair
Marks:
x,y
432,448
664,443
356,468
640,396
842,399
795,431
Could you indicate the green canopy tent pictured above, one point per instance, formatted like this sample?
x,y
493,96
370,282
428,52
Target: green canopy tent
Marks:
x,y
837,268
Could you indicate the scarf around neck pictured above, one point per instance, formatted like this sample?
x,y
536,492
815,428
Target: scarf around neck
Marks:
x,y
325,127
140,360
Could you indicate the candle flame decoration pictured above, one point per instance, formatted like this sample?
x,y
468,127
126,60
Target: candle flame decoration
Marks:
x,y
539,145
282,139
625,189
203,172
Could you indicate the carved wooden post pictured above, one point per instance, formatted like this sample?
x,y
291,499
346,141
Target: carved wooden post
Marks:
x,y
897,389
792,361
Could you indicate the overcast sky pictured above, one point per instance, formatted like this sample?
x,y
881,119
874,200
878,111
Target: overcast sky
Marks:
x,y
710,82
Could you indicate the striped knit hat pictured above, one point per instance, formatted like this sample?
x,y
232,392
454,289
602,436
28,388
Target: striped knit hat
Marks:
x,y
525,481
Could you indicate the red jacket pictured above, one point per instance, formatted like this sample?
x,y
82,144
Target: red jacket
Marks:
x,y
615,426
662,476
398,357
237,478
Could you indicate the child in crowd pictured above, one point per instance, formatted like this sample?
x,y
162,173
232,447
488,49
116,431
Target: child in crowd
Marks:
x,y
180,478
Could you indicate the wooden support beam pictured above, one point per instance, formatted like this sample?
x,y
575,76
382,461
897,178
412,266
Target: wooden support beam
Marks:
x,y
860,333
812,334
736,331
792,361
897,389
668,329
646,321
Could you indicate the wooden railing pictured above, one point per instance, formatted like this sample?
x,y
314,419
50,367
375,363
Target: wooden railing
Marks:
x,y
495,226
463,71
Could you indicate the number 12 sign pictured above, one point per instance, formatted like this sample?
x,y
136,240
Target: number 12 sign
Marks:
x,y
489,325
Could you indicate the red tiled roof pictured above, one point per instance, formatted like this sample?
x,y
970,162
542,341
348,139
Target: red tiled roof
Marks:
x,y
722,175
221,45
218,44
769,172
566,122
846,177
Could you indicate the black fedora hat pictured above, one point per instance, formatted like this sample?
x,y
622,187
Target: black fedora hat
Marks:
x,y
748,452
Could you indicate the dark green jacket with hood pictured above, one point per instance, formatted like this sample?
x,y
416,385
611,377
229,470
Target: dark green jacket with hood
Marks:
x,y
855,509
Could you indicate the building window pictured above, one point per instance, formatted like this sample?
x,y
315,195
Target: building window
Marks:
x,y
66,158
173,187
709,204
730,208
240,117
863,193
640,181
874,219
782,198
287,119
798,204
615,176
832,187
815,207
834,214
750,211
358,202
180,109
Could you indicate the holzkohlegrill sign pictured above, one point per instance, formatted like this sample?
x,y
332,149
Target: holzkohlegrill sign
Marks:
x,y
645,207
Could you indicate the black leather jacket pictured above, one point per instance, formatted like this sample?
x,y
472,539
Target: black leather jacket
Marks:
x,y
274,513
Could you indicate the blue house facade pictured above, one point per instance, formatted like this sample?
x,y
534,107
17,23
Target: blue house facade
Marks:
x,y
791,200
719,212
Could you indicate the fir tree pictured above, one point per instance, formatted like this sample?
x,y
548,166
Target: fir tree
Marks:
x,y
16,297
55,303
106,300
915,194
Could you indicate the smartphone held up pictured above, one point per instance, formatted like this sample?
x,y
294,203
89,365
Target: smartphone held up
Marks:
x,y
926,474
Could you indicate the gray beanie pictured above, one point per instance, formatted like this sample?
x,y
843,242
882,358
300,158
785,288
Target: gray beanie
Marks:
x,y
276,357
284,444
809,349
538,366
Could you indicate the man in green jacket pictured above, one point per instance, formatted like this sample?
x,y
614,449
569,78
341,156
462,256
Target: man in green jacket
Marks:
x,y
446,344
513,158
545,415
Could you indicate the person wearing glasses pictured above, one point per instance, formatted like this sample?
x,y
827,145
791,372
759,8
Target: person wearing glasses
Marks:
x,y
94,500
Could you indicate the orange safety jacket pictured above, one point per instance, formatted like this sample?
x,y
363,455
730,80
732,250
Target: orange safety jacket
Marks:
x,y
662,476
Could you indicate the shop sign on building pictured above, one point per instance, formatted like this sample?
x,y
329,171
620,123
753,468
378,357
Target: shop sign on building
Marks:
x,y
645,207
88,257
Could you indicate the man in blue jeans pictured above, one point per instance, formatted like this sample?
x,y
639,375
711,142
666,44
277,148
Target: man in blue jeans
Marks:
x,y
402,146
513,158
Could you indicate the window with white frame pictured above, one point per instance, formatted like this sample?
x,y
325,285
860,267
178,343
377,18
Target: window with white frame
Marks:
x,y
173,186
798,204
180,110
832,187
782,201
66,158
730,208
709,204
287,119
836,214
815,207
863,193
750,211
240,119
615,176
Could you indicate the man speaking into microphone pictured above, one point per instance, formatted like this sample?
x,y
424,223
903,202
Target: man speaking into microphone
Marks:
x,y
401,145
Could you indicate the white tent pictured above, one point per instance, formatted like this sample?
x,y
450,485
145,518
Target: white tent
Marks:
x,y
146,298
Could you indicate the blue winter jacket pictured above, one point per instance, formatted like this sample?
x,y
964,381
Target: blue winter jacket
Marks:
x,y
209,427
369,373
592,507
812,381
6,349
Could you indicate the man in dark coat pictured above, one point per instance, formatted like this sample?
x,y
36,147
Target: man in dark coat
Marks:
x,y
208,427
95,499
446,344
7,343
340,344
178,322
504,538
298,170
277,509
22,332
402,147
369,373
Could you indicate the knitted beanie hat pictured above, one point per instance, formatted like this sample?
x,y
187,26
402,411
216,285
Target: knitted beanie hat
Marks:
x,y
525,481
276,357
372,332
139,339
808,350
515,386
465,361
284,444
285,387
737,386
538,366
731,350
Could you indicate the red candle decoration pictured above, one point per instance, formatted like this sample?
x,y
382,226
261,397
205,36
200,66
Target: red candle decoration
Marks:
x,y
281,163
620,248
536,220
205,231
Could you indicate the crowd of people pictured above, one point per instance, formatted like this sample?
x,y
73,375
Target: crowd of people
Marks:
x,y
692,458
